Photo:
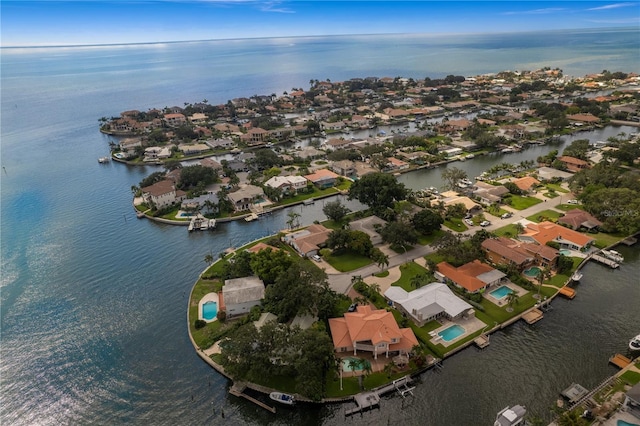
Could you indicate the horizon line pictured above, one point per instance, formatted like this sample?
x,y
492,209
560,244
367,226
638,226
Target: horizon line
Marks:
x,y
149,43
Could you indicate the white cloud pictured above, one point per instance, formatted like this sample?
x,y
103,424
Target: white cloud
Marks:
x,y
613,6
536,11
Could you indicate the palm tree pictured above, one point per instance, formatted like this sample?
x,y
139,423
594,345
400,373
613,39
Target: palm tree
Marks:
x,y
209,258
388,369
417,281
374,287
293,219
543,274
512,299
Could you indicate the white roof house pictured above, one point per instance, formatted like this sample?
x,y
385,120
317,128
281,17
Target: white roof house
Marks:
x,y
282,182
241,294
429,302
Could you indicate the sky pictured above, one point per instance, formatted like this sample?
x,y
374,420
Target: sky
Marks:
x,y
53,23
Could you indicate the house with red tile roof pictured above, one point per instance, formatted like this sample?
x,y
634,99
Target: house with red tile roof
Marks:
x,y
573,164
544,232
505,251
175,120
162,194
308,241
576,219
527,183
474,276
370,330
323,178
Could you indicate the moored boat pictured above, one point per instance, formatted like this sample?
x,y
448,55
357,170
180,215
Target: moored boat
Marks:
x,y
634,344
613,255
511,416
103,160
577,276
283,398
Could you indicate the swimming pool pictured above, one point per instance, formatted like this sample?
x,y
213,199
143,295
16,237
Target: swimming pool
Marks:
x,y
565,252
532,272
209,310
623,423
501,292
347,368
450,333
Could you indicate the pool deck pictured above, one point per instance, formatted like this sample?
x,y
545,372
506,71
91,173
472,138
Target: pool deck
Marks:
x,y
209,297
470,325
503,300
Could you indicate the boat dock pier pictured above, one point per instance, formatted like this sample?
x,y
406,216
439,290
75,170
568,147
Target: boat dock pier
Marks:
x,y
601,259
482,341
238,390
574,393
369,400
533,316
619,361
567,292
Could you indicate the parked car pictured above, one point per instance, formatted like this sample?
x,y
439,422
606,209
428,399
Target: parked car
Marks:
x,y
485,223
353,307
468,222
506,215
316,258
572,202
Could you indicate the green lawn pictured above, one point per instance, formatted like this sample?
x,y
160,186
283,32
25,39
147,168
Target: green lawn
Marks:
x,y
382,274
519,202
496,211
605,240
455,224
345,262
567,207
555,187
550,215
424,240
408,271
301,197
631,377
551,194
506,231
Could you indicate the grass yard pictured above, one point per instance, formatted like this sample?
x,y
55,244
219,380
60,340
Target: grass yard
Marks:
x,y
605,240
301,197
519,202
423,240
495,210
455,224
557,188
550,215
506,231
567,207
551,194
408,271
345,262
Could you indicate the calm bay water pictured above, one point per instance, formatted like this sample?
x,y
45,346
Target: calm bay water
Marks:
x,y
93,301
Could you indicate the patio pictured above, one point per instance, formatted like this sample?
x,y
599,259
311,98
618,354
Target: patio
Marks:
x,y
470,325
502,301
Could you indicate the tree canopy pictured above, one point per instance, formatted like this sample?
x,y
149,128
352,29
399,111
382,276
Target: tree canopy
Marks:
x,y
378,190
335,210
427,221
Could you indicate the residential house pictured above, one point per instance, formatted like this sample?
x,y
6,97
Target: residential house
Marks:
x,y
221,143
198,118
344,167
129,145
474,276
369,330
369,226
489,194
323,178
287,183
337,143
450,198
573,164
430,302
255,136
241,294
162,194
193,149
175,120
632,401
211,163
583,118
544,232
526,184
205,203
308,241
576,219
244,197
155,153
226,128
549,173
395,164
504,251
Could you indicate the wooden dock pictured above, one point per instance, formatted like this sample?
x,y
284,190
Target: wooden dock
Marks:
x,y
364,401
369,400
574,393
620,361
601,259
482,341
238,390
629,241
533,316
567,292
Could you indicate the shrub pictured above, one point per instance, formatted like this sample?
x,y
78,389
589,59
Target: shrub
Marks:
x,y
199,324
222,316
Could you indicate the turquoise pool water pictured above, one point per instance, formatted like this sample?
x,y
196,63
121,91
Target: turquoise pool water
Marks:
x,y
501,292
623,423
448,334
209,310
532,272
346,367
565,252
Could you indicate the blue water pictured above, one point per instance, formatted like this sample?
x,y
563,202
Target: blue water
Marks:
x,y
209,310
451,333
94,300
346,367
532,272
501,292
565,252
623,423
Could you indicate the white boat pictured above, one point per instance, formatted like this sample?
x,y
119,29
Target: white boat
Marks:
x,y
577,276
283,398
251,217
634,344
613,255
511,416
103,160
